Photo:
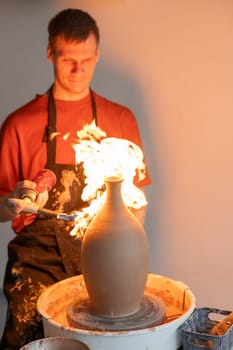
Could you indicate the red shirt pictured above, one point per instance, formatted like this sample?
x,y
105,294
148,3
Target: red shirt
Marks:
x,y
22,149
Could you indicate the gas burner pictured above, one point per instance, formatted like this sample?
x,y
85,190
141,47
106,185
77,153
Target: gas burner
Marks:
x,y
151,313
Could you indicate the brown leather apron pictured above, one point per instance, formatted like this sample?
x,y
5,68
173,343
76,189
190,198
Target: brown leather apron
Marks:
x,y
44,252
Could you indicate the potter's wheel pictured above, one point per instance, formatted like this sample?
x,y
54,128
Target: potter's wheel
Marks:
x,y
151,313
179,301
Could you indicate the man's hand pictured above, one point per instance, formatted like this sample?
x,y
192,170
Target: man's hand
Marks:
x,y
10,212
140,214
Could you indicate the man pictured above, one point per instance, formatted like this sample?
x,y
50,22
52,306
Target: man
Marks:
x,y
32,138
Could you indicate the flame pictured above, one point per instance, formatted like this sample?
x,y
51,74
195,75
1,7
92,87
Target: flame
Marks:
x,y
103,157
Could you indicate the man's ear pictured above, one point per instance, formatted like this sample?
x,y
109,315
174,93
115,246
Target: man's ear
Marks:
x,y
97,55
49,53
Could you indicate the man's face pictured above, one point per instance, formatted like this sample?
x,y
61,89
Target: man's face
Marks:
x,y
74,64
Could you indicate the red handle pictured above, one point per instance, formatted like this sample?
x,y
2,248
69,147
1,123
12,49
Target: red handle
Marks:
x,y
44,180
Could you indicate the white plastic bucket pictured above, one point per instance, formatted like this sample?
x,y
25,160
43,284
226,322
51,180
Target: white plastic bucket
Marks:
x,y
55,343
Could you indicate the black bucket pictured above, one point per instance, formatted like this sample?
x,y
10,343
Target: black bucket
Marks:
x,y
56,343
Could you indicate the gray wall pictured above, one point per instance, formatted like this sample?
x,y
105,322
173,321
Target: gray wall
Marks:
x,y
171,63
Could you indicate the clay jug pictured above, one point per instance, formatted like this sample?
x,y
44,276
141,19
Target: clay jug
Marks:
x,y
115,257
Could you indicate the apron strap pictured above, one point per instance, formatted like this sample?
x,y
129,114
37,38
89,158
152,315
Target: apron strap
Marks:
x,y
94,109
51,141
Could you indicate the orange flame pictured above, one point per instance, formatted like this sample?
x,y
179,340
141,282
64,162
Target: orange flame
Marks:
x,y
103,157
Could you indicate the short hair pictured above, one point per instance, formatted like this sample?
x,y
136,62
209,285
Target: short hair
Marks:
x,y
72,24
